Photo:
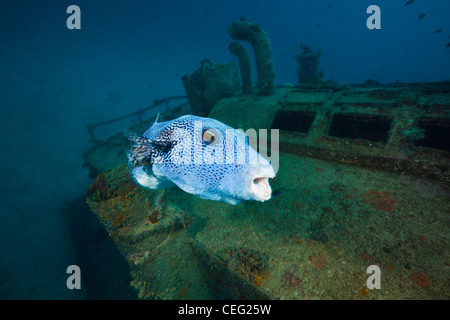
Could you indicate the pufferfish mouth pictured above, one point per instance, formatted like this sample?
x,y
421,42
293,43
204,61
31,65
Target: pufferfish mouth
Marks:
x,y
260,187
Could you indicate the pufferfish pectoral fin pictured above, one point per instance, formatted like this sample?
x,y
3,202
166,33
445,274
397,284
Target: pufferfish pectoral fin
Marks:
x,y
145,177
142,149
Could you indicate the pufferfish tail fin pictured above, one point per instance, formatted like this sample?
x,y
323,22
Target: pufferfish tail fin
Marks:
x,y
142,149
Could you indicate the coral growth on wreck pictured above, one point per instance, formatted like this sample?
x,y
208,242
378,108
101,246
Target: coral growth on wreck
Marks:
x,y
318,261
420,279
250,263
250,31
291,279
380,200
241,53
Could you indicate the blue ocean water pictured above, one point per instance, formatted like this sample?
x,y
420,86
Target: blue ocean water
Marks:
x,y
55,81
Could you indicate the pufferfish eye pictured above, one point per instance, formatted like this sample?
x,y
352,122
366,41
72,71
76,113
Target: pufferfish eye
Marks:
x,y
210,135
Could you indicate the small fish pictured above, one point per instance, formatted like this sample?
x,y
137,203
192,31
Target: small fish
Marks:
x,y
437,31
202,156
448,45
409,2
421,16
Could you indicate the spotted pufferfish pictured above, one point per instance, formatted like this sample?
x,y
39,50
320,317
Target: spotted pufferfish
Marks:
x,y
202,156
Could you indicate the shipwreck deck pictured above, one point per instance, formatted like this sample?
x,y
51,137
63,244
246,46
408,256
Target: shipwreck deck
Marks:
x,y
343,200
